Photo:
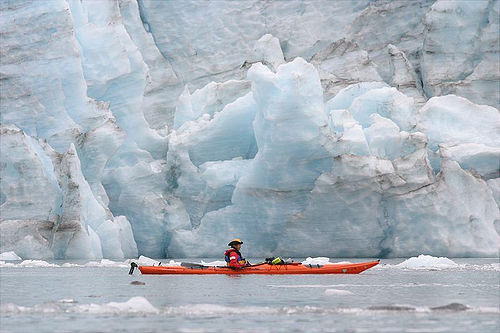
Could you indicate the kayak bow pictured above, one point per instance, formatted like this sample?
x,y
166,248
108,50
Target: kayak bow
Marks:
x,y
264,269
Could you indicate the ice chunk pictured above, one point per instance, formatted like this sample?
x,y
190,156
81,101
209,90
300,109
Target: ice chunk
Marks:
x,y
145,261
29,188
293,99
36,263
64,116
120,77
482,159
340,118
384,137
79,204
237,28
343,63
110,238
82,242
200,153
228,135
46,88
210,99
387,102
27,238
458,218
135,189
136,304
67,301
316,261
106,263
427,261
413,170
404,77
494,184
386,141
454,214
10,255
338,292
163,86
395,22
345,204
291,133
95,149
350,136
344,98
128,78
219,174
126,236
268,50
455,120
67,229
459,49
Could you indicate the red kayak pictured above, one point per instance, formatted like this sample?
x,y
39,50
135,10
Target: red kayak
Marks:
x,y
264,269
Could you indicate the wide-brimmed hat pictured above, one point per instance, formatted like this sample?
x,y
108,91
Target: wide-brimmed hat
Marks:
x,y
235,241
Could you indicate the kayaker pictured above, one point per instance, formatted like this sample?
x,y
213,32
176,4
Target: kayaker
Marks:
x,y
233,256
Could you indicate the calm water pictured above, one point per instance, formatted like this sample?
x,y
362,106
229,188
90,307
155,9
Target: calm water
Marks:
x,y
382,299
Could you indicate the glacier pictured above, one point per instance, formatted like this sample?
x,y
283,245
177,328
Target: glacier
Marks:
x,y
163,128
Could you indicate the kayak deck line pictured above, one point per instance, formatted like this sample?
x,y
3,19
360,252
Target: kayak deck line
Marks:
x,y
262,269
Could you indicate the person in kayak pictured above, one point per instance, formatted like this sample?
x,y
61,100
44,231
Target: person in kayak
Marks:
x,y
233,256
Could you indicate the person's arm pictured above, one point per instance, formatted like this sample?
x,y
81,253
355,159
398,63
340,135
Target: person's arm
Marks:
x,y
233,260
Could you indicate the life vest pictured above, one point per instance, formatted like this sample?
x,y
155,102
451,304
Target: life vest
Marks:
x,y
239,259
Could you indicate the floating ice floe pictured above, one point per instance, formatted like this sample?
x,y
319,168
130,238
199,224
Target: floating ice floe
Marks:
x,y
10,255
214,263
338,292
36,263
136,304
42,263
146,261
426,261
141,306
321,261
216,309
67,300
106,263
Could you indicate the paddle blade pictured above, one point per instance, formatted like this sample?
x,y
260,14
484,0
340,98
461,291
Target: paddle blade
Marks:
x,y
191,265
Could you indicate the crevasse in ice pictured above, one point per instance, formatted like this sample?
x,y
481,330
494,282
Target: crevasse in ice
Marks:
x,y
166,128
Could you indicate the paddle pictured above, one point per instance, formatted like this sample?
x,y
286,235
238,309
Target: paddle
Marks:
x,y
191,265
200,266
133,265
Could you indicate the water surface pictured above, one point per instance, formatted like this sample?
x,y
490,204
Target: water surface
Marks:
x,y
387,298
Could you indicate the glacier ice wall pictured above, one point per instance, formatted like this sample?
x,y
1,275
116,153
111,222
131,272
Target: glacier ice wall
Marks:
x,y
163,128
